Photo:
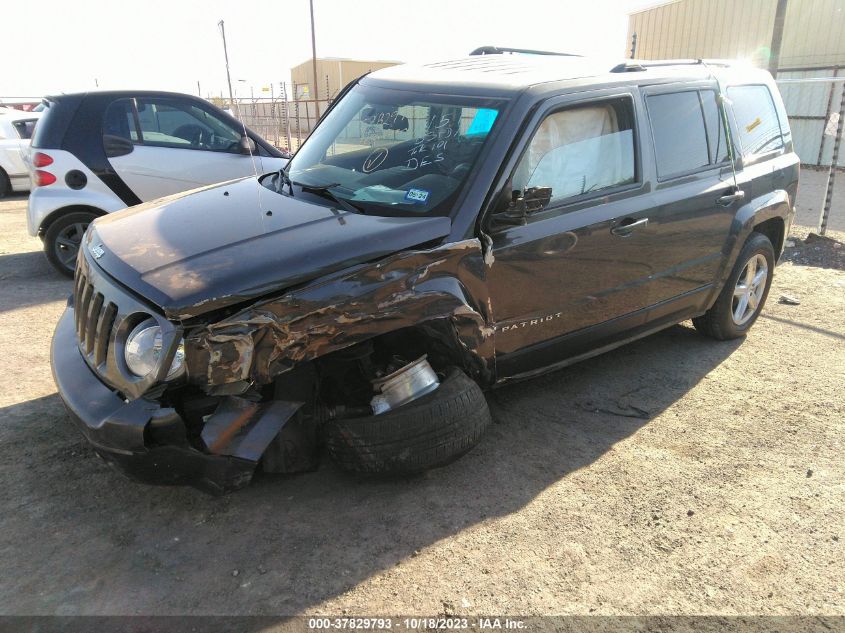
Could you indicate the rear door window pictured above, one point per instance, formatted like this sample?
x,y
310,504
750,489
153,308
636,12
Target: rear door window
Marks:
x,y
756,119
715,123
680,136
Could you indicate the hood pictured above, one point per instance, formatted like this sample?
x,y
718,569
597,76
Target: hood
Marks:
x,y
227,243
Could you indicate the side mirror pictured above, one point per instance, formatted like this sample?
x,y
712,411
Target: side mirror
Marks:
x,y
537,198
522,204
248,146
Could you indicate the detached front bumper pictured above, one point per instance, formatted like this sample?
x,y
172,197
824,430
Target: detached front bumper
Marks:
x,y
121,432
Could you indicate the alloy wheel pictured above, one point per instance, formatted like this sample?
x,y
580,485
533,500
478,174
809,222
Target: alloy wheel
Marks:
x,y
67,244
749,289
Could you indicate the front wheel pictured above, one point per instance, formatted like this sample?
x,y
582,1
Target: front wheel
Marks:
x,y
741,300
428,432
63,240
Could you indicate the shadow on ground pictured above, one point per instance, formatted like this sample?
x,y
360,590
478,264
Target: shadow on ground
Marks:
x,y
804,326
28,280
97,543
816,250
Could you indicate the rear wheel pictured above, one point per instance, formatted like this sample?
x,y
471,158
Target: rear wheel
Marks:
x,y
64,238
5,184
428,432
741,300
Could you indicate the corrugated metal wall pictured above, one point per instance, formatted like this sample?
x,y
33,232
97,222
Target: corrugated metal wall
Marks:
x,y
814,31
813,34
704,28
813,45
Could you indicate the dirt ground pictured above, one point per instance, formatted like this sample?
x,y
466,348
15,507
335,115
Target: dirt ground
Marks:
x,y
676,475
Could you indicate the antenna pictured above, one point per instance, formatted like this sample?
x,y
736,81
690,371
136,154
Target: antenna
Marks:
x,y
723,99
251,156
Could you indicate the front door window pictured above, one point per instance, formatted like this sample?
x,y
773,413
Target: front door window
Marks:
x,y
578,151
184,125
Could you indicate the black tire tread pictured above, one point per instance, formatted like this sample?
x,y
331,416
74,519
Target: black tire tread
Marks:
x,y
54,228
714,322
432,431
5,184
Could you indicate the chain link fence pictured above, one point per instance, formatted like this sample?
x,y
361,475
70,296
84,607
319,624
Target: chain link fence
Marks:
x,y
281,118
812,97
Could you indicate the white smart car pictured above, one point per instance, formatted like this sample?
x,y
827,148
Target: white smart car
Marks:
x,y
98,152
16,129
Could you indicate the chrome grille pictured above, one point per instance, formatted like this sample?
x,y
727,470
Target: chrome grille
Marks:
x,y
94,319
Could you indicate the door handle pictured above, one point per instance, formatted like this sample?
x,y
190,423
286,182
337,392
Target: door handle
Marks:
x,y
728,199
628,226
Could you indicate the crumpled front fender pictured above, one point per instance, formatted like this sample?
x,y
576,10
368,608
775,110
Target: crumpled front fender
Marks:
x,y
407,289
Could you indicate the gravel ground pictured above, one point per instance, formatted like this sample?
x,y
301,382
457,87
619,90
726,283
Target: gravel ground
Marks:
x,y
676,475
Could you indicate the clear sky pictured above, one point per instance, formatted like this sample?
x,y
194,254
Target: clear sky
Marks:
x,y
54,46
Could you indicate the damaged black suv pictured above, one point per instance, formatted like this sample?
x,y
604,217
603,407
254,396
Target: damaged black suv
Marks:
x,y
445,228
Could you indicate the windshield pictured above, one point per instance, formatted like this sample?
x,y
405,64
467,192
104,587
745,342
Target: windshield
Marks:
x,y
395,152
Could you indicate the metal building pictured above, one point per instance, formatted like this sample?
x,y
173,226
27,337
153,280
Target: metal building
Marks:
x,y
333,73
795,39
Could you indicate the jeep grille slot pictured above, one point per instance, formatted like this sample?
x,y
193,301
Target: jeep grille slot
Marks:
x,y
94,320
104,328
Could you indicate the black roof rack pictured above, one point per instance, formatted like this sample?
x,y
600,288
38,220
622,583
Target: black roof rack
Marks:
x,y
500,50
640,65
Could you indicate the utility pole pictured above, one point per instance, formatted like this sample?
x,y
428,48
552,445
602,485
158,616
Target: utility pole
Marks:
x,y
199,92
314,61
226,55
777,38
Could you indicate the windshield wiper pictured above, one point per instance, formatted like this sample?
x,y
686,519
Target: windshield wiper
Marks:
x,y
286,181
325,191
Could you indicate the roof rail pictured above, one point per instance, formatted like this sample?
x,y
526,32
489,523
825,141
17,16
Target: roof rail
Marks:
x,y
499,50
643,64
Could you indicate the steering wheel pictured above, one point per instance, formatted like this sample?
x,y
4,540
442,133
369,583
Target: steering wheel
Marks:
x,y
192,133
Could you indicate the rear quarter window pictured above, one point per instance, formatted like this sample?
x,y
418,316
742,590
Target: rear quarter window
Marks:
x,y
756,119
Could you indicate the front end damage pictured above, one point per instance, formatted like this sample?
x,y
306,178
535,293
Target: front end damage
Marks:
x,y
260,381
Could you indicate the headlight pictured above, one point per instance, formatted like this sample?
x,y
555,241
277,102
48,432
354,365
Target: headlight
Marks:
x,y
143,349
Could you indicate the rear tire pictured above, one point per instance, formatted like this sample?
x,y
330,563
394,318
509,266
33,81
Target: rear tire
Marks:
x,y
64,238
5,184
432,431
741,300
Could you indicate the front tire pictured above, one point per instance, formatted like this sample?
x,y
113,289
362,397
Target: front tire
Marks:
x,y
745,292
434,430
63,240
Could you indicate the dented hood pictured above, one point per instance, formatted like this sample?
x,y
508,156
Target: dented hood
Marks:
x,y
220,245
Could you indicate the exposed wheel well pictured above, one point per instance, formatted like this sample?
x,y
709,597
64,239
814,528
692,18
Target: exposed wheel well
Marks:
x,y
774,230
75,208
344,375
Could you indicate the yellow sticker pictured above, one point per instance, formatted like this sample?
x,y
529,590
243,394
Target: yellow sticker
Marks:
x,y
753,124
